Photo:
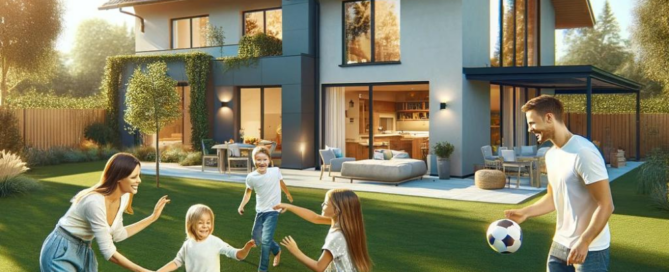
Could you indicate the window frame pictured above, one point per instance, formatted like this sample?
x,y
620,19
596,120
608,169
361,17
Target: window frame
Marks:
x,y
372,34
190,24
264,19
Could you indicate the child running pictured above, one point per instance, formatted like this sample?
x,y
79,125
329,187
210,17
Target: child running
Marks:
x,y
345,248
201,250
268,184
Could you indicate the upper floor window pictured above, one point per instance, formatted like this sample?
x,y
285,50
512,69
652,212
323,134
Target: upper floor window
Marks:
x,y
514,26
263,21
189,32
372,31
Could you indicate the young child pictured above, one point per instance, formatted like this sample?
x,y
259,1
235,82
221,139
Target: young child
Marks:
x,y
268,184
345,248
200,252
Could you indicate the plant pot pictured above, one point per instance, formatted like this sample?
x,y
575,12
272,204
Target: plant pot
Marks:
x,y
432,165
444,167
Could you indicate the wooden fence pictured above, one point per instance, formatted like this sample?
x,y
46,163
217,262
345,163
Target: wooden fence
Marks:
x,y
619,131
46,128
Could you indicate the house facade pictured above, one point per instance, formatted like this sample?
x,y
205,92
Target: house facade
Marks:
x,y
362,75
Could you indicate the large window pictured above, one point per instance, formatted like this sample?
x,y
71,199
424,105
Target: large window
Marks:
x,y
371,31
518,33
260,113
263,21
189,32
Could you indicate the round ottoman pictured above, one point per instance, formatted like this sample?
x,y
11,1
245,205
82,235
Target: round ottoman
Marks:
x,y
489,179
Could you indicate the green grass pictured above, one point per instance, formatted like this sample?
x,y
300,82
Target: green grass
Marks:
x,y
404,233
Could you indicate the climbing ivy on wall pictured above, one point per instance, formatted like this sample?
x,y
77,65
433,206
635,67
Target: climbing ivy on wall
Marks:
x,y
197,71
251,47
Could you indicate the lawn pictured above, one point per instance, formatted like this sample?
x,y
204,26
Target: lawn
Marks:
x,y
404,233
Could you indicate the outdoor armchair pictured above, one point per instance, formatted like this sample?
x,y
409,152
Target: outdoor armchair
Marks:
x,y
489,159
330,161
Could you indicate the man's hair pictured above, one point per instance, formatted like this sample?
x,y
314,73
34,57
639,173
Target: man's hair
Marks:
x,y
545,104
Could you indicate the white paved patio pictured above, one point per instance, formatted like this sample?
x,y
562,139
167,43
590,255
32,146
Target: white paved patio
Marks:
x,y
454,188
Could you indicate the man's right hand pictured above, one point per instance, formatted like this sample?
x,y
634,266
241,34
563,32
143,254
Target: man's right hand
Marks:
x,y
240,210
517,216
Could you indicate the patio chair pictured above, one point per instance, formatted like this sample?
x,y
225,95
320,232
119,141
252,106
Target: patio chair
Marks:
x,y
205,153
509,162
235,155
541,162
331,161
489,159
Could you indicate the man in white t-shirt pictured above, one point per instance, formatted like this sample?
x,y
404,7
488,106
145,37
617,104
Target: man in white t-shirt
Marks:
x,y
578,189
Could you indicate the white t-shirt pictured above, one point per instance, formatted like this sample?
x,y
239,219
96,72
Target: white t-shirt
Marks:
x,y
335,242
203,256
88,219
267,187
570,168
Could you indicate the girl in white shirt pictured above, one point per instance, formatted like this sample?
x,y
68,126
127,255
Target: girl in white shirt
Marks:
x,y
200,252
345,248
97,212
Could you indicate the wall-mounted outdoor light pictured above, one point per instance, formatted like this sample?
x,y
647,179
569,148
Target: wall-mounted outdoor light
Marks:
x,y
442,105
350,103
225,104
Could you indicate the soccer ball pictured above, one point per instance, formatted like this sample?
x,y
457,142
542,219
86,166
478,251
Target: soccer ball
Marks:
x,y
504,236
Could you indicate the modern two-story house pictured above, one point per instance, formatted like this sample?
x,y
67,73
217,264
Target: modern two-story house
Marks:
x,y
373,74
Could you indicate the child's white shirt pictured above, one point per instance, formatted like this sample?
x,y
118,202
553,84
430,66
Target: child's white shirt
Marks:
x,y
267,187
204,256
87,219
336,244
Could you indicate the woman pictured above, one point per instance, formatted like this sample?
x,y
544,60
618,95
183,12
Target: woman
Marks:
x,y
97,212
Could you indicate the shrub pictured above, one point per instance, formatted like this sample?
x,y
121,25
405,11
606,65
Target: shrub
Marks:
x,y
172,153
143,153
443,149
98,133
75,155
11,180
10,136
107,151
653,178
192,158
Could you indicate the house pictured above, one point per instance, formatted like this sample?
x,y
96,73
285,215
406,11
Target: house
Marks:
x,y
386,73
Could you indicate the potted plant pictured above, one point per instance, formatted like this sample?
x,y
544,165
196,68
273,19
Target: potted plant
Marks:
x,y
443,151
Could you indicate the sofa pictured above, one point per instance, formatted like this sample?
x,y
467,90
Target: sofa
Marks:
x,y
394,171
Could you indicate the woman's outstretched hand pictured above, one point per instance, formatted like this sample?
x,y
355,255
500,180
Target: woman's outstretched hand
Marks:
x,y
159,207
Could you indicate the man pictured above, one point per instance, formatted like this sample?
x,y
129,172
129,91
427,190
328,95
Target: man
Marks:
x,y
578,188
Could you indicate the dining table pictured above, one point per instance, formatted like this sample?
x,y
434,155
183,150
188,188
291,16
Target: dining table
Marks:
x,y
222,153
535,172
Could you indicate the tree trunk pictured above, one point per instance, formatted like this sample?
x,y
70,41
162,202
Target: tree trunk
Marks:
x,y
157,157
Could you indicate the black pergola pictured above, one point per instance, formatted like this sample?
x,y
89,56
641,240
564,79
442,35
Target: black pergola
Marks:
x,y
582,79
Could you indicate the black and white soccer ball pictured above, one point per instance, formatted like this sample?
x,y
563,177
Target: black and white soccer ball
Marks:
x,y
504,236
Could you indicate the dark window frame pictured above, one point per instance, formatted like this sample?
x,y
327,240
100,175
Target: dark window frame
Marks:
x,y
190,24
372,34
264,19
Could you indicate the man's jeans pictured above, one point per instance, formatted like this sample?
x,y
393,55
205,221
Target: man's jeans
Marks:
x,y
596,261
263,235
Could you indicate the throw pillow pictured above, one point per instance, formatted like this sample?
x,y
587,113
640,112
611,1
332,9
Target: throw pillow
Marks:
x,y
526,151
378,156
387,154
401,155
337,152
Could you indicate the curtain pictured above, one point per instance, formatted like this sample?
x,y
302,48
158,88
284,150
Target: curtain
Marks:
x,y
335,119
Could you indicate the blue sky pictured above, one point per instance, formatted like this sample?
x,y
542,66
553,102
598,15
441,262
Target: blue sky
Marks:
x,y
78,10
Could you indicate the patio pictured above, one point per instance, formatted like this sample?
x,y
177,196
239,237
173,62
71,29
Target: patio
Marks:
x,y
429,186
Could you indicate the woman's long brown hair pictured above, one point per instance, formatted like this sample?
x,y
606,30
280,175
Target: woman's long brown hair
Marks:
x,y
118,167
349,213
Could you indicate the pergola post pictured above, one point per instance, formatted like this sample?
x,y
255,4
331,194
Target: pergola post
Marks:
x,y
588,108
638,126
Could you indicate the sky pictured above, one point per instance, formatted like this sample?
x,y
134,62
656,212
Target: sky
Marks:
x,y
78,10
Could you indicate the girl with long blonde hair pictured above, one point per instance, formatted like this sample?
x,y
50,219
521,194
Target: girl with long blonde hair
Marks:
x,y
345,247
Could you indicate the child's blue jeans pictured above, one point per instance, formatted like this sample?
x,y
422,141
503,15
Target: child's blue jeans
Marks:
x,y
595,261
263,234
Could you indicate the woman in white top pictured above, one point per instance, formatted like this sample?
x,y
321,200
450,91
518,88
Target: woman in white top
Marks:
x,y
97,212
345,248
